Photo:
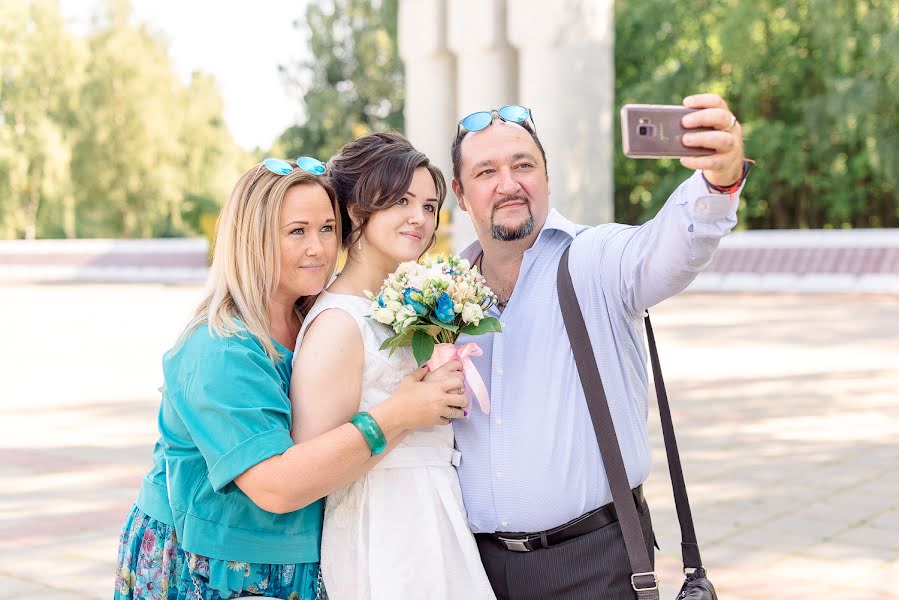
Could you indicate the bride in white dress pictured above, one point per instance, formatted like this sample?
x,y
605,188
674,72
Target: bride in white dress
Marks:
x,y
400,530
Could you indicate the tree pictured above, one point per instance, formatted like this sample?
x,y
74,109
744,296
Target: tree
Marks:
x,y
353,82
41,69
126,157
156,154
211,161
814,83
99,137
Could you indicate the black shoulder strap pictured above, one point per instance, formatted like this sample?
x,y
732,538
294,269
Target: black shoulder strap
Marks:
x,y
643,580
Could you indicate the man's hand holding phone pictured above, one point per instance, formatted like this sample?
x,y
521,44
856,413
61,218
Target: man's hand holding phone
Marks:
x,y
725,137
703,134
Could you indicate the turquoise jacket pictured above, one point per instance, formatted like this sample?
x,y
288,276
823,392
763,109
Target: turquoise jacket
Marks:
x,y
225,408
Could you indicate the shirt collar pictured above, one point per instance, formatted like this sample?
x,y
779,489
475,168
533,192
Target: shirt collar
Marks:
x,y
554,221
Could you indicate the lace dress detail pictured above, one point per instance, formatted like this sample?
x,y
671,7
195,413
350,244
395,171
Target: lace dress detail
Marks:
x,y
400,531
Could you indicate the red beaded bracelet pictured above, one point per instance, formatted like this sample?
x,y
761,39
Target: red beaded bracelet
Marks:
x,y
730,190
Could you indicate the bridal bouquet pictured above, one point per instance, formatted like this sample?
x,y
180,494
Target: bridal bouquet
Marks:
x,y
429,304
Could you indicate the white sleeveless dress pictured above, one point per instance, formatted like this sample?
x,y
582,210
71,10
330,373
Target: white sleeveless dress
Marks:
x,y
401,530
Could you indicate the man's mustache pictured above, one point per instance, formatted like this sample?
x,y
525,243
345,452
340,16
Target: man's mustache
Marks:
x,y
515,198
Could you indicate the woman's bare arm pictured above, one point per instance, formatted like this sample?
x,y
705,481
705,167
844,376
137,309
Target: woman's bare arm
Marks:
x,y
325,389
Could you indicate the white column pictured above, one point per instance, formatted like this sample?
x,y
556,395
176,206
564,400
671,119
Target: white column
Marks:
x,y
566,76
486,73
430,111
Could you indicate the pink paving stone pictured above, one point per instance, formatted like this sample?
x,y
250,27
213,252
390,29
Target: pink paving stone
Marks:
x,y
877,262
55,526
860,259
841,260
791,261
816,261
42,460
150,259
756,260
891,264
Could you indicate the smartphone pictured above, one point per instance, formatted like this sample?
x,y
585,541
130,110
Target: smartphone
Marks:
x,y
655,130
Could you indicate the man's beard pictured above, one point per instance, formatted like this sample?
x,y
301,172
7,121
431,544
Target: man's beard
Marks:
x,y
509,234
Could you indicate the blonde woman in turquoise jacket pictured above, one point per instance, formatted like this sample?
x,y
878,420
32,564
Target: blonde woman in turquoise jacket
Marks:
x,y
232,506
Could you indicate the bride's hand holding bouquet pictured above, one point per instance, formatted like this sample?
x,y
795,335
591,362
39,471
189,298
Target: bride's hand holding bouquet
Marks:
x,y
429,304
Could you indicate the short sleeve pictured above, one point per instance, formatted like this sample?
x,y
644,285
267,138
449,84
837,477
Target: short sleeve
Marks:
x,y
236,411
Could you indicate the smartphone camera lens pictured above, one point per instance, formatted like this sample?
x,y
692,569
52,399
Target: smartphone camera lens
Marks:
x,y
644,130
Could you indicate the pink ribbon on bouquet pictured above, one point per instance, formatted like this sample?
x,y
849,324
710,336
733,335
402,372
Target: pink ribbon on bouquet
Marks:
x,y
474,385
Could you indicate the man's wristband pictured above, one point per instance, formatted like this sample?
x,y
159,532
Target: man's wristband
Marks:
x,y
371,431
729,189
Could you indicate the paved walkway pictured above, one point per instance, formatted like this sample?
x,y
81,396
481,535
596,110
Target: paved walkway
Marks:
x,y
787,408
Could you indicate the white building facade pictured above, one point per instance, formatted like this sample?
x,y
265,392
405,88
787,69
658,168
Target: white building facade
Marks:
x,y
553,56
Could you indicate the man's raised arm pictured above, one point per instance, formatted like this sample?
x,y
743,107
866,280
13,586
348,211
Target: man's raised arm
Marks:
x,y
662,257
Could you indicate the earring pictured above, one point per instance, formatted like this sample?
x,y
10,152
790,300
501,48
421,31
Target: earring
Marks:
x,y
359,244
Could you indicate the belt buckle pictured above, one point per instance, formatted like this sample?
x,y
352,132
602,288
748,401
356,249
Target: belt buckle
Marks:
x,y
515,545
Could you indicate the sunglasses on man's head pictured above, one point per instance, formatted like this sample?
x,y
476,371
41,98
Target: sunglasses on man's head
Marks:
x,y
511,113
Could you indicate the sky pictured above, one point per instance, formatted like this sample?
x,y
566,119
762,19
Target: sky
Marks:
x,y
241,43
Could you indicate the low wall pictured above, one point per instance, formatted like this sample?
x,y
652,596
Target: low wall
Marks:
x,y
173,260
823,261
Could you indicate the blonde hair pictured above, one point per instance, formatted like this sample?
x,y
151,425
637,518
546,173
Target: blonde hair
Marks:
x,y
246,262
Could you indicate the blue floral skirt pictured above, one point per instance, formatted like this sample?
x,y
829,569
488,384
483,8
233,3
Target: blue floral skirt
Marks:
x,y
152,566
150,560
210,579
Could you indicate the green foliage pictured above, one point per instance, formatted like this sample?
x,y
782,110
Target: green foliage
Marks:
x,y
487,325
353,82
422,347
40,71
816,87
402,339
98,137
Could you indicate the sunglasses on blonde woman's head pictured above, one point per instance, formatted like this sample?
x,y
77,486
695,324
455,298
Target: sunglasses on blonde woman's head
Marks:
x,y
511,113
279,166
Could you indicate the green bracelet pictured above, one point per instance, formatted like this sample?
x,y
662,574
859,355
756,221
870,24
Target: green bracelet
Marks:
x,y
371,431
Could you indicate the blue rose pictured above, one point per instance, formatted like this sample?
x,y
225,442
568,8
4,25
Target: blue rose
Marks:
x,y
381,301
445,312
419,308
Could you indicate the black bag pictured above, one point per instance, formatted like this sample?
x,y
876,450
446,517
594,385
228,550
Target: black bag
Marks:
x,y
644,580
697,587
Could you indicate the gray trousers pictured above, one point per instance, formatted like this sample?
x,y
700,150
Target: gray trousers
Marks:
x,y
593,566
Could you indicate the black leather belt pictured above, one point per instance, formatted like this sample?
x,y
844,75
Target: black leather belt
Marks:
x,y
586,523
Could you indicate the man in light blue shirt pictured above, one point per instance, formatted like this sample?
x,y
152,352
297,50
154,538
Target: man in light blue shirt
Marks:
x,y
531,471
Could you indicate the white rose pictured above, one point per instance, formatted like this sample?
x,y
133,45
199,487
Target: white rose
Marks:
x,y
394,305
406,268
472,313
392,294
384,315
418,281
462,292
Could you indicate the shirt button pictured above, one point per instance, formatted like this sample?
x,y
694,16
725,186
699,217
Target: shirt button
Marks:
x,y
499,421
500,372
499,474
505,523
